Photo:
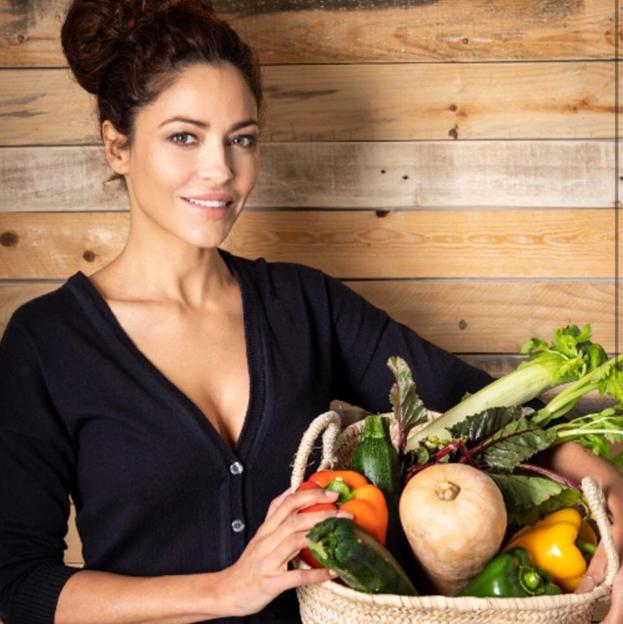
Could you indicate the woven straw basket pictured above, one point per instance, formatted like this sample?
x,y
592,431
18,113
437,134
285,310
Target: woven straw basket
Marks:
x,y
332,603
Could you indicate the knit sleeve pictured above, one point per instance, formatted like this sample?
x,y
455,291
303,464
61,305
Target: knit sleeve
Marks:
x,y
366,337
37,461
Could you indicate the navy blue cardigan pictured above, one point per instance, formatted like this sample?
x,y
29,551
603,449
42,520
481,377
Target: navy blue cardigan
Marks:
x,y
157,490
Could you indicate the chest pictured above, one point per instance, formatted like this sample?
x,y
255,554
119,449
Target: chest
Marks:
x,y
203,354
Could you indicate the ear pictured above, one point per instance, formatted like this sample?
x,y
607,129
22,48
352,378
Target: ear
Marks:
x,y
116,147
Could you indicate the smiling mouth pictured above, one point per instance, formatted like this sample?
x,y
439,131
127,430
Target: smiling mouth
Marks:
x,y
204,203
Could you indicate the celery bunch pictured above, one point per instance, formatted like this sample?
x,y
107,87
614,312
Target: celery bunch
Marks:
x,y
571,357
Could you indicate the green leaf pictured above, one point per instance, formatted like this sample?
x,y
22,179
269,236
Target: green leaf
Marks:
x,y
515,443
409,409
528,498
480,426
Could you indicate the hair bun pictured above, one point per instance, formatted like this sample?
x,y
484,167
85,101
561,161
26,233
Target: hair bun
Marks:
x,y
93,29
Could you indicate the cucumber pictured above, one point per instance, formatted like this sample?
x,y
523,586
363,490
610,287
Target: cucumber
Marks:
x,y
359,560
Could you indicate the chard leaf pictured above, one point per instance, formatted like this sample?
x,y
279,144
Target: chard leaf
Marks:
x,y
529,498
480,426
515,443
409,409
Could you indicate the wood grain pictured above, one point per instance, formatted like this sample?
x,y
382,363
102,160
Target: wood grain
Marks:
x,y
380,176
372,102
299,31
468,316
347,244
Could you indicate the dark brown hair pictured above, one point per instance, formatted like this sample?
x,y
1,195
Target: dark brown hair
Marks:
x,y
126,52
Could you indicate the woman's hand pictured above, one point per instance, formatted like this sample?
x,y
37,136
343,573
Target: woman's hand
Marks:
x,y
598,566
615,614
261,573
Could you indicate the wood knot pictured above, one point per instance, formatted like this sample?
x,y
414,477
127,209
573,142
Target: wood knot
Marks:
x,y
381,214
89,255
20,38
8,239
453,107
462,324
454,132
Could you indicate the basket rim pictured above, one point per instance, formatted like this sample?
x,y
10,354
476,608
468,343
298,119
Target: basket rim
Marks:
x,y
462,603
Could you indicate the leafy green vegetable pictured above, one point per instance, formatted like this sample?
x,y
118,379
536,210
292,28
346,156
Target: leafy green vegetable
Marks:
x,y
515,443
409,409
529,498
595,431
480,426
570,356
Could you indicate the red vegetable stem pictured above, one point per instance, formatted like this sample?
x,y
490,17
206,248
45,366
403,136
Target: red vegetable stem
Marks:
x,y
554,476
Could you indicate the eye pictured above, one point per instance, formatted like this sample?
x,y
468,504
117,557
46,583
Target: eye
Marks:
x,y
247,141
183,138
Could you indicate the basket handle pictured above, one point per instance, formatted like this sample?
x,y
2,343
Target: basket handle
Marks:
x,y
331,424
596,501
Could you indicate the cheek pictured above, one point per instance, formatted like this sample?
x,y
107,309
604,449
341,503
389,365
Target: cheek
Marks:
x,y
246,168
162,168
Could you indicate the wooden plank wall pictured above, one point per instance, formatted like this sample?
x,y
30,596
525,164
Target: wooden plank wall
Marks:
x,y
453,162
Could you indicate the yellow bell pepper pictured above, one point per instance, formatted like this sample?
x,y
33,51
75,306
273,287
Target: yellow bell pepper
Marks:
x,y
554,544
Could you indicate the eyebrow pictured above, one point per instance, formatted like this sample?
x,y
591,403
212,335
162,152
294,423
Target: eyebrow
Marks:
x,y
203,124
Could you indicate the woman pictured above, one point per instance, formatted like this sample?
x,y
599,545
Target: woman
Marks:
x,y
167,392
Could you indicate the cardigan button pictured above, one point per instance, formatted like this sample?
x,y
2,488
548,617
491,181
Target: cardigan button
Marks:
x,y
237,526
236,468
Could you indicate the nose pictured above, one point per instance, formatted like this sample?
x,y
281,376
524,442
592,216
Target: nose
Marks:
x,y
214,165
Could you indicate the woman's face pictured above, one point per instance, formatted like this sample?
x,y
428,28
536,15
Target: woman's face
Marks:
x,y
194,160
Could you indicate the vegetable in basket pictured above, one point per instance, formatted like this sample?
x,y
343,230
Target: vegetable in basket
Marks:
x,y
376,458
559,544
571,357
511,575
356,495
455,520
360,561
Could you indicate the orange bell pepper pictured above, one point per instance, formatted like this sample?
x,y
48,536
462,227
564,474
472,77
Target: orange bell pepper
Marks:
x,y
357,496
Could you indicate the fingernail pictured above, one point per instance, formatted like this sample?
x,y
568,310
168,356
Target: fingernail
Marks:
x,y
331,494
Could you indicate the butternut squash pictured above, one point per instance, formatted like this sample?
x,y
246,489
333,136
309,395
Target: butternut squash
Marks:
x,y
455,519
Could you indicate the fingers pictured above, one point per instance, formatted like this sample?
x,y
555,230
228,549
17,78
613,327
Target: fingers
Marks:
x,y
596,572
294,502
276,502
296,578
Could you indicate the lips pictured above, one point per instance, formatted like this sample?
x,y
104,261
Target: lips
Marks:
x,y
210,200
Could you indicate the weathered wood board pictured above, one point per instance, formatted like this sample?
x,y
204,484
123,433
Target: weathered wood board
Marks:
x,y
376,175
467,316
372,102
347,244
354,31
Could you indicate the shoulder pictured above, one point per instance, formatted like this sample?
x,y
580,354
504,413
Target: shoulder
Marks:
x,y
44,314
282,278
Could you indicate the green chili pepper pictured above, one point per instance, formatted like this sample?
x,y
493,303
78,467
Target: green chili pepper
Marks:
x,y
511,575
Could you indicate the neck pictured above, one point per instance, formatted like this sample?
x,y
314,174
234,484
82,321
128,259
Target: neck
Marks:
x,y
165,268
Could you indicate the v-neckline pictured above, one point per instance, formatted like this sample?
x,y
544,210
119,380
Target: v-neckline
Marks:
x,y
253,345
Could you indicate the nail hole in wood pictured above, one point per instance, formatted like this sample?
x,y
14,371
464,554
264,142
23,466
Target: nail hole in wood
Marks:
x,y
454,133
88,255
8,239
466,41
384,172
21,38
453,107
462,324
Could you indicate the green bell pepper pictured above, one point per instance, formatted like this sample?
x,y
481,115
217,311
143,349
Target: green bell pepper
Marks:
x,y
511,575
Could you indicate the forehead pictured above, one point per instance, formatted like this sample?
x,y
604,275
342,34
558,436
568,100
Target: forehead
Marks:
x,y
212,93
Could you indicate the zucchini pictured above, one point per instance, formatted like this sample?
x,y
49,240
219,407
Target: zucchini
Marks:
x,y
359,560
376,458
